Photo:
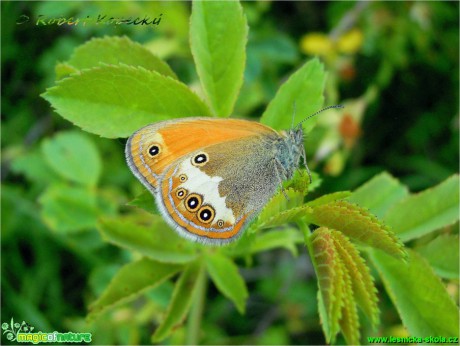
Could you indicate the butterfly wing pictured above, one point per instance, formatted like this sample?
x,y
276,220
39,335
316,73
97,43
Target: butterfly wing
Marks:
x,y
155,147
210,194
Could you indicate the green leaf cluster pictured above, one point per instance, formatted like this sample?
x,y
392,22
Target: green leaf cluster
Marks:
x,y
415,287
66,170
345,283
127,87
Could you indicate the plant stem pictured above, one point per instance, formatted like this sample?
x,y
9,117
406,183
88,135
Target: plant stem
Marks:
x,y
303,226
196,312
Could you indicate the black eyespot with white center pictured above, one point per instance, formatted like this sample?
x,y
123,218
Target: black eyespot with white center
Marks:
x,y
206,214
220,223
200,159
193,202
154,150
181,193
182,178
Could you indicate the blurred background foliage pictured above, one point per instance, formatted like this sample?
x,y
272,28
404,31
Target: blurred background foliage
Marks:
x,y
394,65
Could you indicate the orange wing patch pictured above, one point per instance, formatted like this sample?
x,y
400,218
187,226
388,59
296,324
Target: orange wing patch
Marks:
x,y
152,149
146,151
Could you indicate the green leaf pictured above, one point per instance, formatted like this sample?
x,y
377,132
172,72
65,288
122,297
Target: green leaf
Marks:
x,y
330,275
299,182
304,89
379,194
362,282
130,281
145,201
73,156
284,217
115,101
18,211
316,182
67,208
359,225
330,197
182,297
34,167
149,235
419,295
275,206
64,70
224,273
280,202
442,254
117,50
430,210
218,35
349,323
286,238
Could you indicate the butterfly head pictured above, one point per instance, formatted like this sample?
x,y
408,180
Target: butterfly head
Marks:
x,y
290,150
294,143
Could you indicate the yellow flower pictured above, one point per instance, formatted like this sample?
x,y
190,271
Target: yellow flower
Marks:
x,y
316,44
350,42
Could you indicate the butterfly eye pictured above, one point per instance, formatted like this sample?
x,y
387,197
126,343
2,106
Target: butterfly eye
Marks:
x,y
180,193
200,159
182,178
193,202
154,150
220,223
206,214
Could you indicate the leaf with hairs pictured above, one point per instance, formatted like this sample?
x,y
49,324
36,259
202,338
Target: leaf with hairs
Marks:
x,y
276,205
358,224
299,182
279,203
330,275
330,197
284,217
362,282
349,323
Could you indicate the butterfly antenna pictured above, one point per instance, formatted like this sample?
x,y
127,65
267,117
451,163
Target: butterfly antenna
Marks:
x,y
314,114
293,116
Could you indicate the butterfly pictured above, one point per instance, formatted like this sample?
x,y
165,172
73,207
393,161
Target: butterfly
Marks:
x,y
210,177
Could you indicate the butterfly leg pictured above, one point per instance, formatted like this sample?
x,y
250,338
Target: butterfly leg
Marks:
x,y
278,165
304,157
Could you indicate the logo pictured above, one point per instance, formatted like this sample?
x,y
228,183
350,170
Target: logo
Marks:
x,y
23,333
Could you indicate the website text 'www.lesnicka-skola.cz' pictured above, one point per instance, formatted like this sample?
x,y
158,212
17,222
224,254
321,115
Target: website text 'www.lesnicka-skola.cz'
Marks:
x,y
412,340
